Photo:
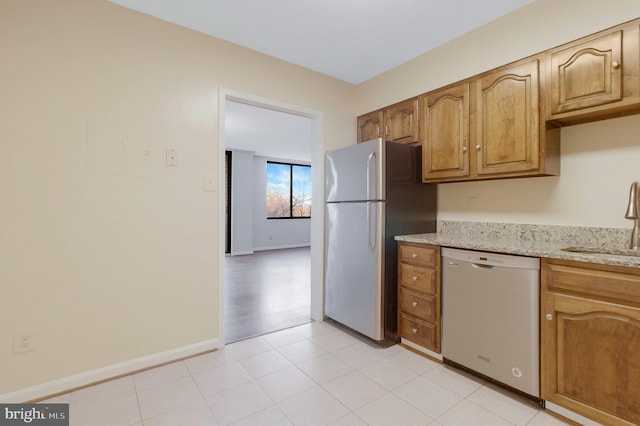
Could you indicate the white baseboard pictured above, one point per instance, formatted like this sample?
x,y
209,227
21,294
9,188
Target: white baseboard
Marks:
x,y
570,414
419,348
242,253
108,372
288,246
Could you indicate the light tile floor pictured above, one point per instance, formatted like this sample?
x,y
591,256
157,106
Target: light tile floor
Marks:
x,y
313,374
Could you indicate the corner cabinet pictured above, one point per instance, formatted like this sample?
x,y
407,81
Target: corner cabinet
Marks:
x,y
590,340
419,295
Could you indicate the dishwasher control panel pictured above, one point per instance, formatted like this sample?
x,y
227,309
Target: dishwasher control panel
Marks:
x,y
485,258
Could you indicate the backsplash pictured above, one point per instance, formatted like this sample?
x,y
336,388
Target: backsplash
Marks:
x,y
617,238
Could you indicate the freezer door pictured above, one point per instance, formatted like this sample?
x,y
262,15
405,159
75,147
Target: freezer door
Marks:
x,y
353,266
355,173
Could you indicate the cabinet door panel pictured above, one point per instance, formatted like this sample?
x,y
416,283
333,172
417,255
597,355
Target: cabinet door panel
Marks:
x,y
369,126
445,133
587,74
508,120
595,361
401,122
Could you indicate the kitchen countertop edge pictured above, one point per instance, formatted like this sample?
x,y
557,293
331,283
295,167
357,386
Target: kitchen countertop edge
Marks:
x,y
552,250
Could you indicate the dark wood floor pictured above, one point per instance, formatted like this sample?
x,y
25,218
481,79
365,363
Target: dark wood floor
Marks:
x,y
266,291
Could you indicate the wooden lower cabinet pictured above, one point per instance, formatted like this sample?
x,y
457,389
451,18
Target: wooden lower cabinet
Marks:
x,y
590,340
419,295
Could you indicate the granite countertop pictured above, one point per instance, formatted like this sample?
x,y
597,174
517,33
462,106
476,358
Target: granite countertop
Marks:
x,y
535,241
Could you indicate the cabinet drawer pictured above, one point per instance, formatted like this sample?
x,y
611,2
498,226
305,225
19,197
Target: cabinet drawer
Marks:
x,y
607,283
419,331
426,256
417,304
417,277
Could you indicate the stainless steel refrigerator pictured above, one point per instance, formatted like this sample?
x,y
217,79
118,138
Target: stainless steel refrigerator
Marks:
x,y
374,191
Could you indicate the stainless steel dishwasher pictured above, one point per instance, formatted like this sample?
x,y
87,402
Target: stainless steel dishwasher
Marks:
x,y
490,316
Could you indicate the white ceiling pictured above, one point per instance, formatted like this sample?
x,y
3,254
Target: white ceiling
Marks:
x,y
351,40
266,132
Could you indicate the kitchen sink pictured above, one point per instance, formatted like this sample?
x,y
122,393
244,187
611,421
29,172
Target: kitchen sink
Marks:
x,y
598,250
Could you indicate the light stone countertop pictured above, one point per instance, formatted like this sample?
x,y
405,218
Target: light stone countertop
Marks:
x,y
534,241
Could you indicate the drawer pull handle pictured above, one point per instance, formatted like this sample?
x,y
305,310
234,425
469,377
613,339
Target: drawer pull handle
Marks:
x,y
414,255
414,330
414,278
414,304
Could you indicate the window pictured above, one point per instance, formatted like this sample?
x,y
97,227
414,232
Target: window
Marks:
x,y
288,190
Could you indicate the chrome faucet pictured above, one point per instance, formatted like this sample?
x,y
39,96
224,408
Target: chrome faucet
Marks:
x,y
633,213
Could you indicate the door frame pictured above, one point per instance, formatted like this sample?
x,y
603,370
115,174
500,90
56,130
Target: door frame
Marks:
x,y
317,195
228,161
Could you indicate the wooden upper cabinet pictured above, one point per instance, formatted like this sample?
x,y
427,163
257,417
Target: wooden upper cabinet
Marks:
x,y
488,127
507,120
444,130
370,126
401,122
596,77
587,74
505,123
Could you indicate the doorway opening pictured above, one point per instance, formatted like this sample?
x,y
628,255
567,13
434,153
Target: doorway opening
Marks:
x,y
266,273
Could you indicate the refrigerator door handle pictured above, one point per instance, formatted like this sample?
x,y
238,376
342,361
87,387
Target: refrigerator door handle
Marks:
x,y
370,225
370,160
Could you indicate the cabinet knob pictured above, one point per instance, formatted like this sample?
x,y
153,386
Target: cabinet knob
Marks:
x,y
549,317
615,65
414,255
414,330
464,149
478,147
414,278
414,304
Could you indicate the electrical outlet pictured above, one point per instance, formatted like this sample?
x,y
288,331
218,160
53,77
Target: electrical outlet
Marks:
x,y
473,203
23,341
173,158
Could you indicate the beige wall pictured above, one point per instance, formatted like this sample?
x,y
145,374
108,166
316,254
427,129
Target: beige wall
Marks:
x,y
599,160
106,253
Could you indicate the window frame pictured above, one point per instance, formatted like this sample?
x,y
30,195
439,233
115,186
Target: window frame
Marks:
x,y
291,166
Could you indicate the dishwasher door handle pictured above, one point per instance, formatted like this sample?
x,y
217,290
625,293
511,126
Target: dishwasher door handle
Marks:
x,y
483,266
